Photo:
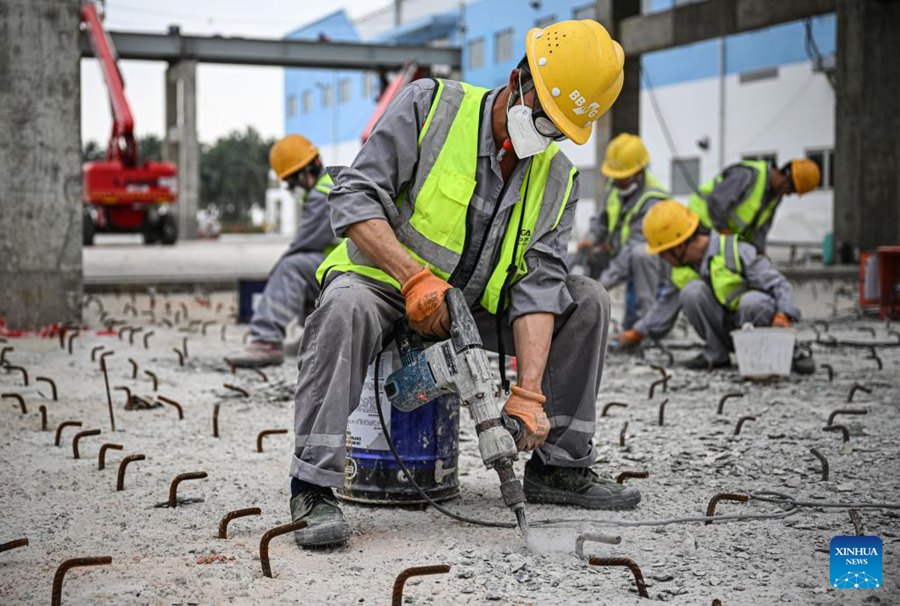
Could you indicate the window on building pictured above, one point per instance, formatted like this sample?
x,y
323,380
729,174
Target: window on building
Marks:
x,y
685,175
825,159
545,21
307,101
343,90
368,85
292,106
770,157
585,12
476,53
758,74
503,46
327,95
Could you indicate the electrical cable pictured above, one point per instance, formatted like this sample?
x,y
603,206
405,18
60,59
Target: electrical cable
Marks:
x,y
815,55
794,506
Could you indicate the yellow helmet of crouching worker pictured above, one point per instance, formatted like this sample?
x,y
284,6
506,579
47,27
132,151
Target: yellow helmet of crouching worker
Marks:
x,y
668,224
290,154
625,156
578,73
805,175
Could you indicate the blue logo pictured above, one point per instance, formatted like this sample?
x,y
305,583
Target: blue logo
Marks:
x,y
856,563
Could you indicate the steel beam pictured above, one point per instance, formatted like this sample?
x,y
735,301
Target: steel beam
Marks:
x,y
699,21
175,47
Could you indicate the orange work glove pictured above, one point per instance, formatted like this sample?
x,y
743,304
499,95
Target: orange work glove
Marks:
x,y
528,407
425,308
626,340
780,320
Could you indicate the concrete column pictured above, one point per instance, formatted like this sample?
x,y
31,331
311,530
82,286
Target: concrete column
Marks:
x,y
625,115
40,162
867,130
182,146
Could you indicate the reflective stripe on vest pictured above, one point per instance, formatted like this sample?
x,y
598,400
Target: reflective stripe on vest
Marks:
x,y
324,185
653,190
725,274
429,218
749,214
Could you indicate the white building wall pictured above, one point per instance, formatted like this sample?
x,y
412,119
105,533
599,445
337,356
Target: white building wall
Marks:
x,y
788,115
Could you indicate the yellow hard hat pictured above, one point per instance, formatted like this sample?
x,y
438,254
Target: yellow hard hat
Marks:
x,y
578,73
805,175
290,154
668,224
625,156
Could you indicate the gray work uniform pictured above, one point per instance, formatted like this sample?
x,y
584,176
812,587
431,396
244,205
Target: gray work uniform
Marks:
x,y
728,194
355,315
632,262
771,293
292,286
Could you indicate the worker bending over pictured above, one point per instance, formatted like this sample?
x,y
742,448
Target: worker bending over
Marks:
x,y
719,281
742,200
463,186
631,194
292,285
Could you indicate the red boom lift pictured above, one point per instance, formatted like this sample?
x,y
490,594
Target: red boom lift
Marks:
x,y
121,195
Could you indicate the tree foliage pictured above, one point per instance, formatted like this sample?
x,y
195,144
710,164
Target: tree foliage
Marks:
x,y
234,172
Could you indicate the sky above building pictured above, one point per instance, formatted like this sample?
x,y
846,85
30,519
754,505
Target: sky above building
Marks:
x,y
229,97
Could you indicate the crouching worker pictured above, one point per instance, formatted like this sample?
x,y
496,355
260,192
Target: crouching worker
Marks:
x,y
292,285
720,282
460,186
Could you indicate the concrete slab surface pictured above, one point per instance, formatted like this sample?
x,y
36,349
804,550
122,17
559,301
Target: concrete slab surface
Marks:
x,y
67,508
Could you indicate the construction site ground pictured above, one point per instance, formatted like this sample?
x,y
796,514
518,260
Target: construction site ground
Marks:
x,y
67,508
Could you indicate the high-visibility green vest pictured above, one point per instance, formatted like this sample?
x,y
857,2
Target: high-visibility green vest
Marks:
x,y
726,275
324,185
429,216
751,213
653,190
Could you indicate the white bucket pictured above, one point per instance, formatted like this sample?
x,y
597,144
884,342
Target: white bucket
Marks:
x,y
764,352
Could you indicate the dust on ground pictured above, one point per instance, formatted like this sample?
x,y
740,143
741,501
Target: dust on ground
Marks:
x,y
67,508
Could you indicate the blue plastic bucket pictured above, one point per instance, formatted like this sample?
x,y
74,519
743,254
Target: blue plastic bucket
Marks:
x,y
427,440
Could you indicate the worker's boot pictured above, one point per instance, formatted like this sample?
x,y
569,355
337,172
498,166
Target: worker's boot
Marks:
x,y
325,521
701,362
575,486
803,363
257,355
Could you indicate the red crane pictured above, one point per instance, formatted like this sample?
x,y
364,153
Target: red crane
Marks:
x,y
121,195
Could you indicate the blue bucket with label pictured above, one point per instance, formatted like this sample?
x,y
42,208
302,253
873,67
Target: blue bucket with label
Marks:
x,y
427,440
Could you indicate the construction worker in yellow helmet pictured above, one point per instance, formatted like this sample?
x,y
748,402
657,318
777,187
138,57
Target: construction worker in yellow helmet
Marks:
x,y
719,281
291,286
743,199
465,187
631,192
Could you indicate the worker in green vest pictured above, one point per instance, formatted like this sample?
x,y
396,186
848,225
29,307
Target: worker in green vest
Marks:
x,y
460,186
632,192
742,200
291,286
719,281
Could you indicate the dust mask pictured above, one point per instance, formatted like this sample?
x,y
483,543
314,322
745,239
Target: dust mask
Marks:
x,y
525,138
629,189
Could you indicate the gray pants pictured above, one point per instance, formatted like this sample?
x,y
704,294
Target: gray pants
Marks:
x,y
291,288
354,320
643,269
713,322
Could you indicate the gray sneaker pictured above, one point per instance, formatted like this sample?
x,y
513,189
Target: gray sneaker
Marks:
x,y
257,355
326,524
579,486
